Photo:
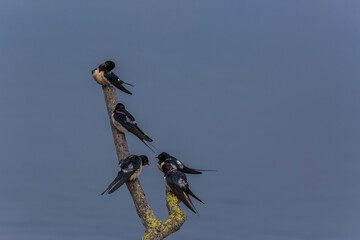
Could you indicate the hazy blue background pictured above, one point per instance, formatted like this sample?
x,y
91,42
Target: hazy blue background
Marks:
x,y
267,92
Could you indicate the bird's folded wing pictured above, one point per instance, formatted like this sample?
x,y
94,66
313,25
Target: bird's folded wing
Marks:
x,y
114,80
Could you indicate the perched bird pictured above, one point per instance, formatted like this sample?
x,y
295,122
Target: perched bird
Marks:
x,y
176,182
104,76
125,122
167,159
130,168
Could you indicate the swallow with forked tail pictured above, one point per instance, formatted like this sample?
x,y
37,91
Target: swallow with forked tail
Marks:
x,y
104,76
176,182
125,122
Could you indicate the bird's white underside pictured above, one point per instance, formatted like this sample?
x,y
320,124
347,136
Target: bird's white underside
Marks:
x,y
99,77
136,173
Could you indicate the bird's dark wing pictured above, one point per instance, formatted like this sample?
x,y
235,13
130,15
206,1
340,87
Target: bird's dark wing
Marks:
x,y
119,179
185,169
180,188
128,115
119,183
181,167
144,136
130,124
122,118
114,80
125,119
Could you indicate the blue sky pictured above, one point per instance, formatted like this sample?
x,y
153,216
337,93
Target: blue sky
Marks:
x,y
267,92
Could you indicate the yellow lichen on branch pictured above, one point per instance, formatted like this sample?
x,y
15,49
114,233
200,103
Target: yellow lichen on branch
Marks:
x,y
163,229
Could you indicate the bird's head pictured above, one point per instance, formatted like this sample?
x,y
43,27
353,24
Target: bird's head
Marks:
x,y
107,66
163,156
144,160
119,107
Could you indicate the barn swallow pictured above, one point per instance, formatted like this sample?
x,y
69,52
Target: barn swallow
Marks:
x,y
176,182
130,168
104,76
125,122
167,159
